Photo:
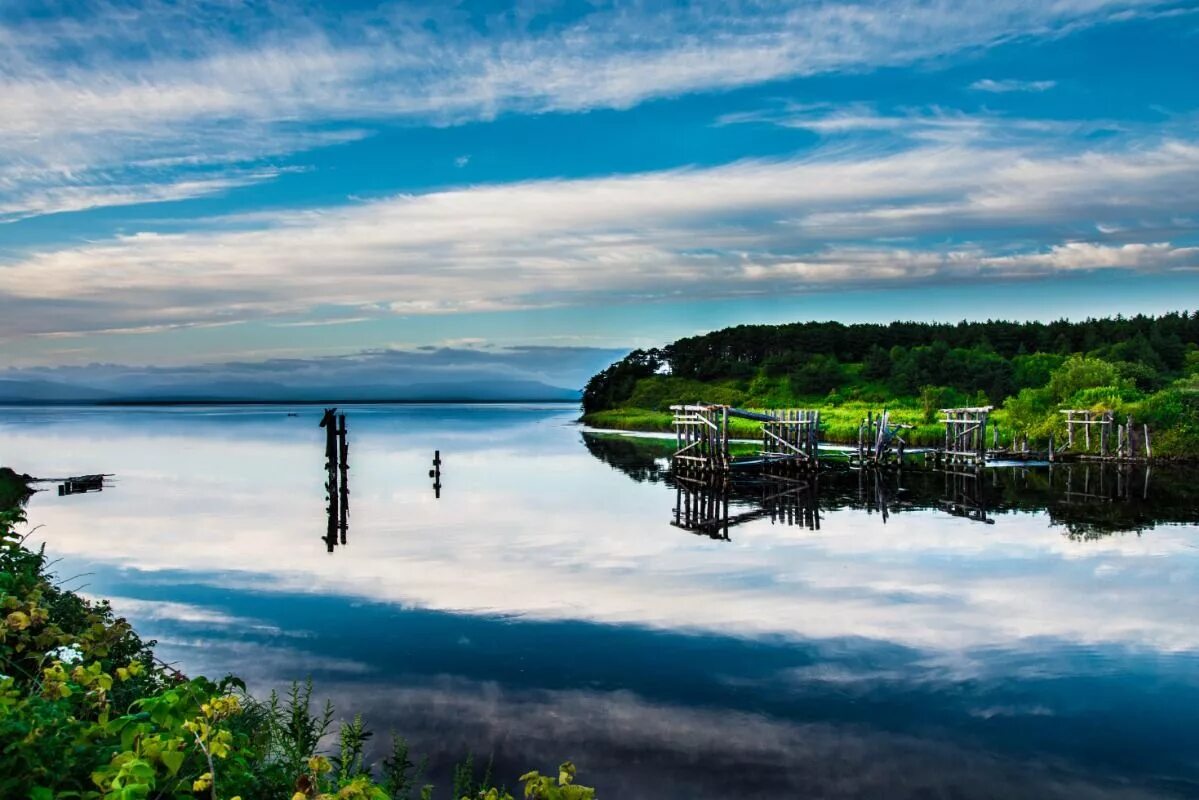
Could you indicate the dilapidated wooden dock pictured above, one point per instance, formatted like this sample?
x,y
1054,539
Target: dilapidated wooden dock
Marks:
x,y
789,436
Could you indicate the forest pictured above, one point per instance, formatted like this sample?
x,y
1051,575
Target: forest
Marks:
x,y
1146,367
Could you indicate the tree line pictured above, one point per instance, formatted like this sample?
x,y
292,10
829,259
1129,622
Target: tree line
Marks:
x,y
991,360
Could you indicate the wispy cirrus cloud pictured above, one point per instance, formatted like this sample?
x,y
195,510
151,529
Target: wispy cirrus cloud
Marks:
x,y
90,99
43,197
841,217
1010,85
906,125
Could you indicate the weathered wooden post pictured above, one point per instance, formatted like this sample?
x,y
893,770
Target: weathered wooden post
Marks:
x,y
725,458
344,464
870,428
435,474
329,423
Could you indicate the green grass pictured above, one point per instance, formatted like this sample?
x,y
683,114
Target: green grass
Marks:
x,y
838,424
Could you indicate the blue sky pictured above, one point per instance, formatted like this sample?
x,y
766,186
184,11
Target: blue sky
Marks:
x,y
194,182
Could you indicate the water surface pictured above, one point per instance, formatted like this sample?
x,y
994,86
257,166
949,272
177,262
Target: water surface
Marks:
x,y
1014,634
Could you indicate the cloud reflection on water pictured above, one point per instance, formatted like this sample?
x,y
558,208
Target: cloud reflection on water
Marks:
x,y
530,526
545,604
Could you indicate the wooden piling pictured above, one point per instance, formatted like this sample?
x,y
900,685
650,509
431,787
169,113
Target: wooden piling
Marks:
x,y
344,467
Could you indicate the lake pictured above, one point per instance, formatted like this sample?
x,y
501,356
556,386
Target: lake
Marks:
x,y
1018,633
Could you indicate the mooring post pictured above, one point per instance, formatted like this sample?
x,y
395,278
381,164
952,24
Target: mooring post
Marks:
x,y
344,463
724,437
948,426
870,429
435,474
329,423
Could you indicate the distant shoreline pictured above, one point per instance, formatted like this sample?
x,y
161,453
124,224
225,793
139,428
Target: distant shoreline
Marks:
x,y
325,402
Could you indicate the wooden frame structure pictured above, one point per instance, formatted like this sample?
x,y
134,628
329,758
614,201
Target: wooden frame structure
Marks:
x,y
966,433
702,437
1128,440
878,438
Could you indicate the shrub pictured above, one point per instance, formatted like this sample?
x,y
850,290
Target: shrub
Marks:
x,y
87,712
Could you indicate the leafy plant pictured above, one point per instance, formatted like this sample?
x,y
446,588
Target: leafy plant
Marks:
x,y
88,713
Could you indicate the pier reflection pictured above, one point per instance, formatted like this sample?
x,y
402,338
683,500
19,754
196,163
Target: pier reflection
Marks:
x,y
964,494
703,505
1087,500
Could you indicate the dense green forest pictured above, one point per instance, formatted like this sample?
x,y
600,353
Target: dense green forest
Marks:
x,y
1146,367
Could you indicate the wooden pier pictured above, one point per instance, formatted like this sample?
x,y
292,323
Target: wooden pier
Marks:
x,y
702,437
792,437
81,485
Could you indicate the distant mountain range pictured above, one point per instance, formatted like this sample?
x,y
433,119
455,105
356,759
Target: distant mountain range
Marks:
x,y
36,392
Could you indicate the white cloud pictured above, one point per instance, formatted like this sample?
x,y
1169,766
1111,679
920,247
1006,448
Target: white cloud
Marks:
x,y
748,227
57,198
1086,255
935,124
1002,86
194,89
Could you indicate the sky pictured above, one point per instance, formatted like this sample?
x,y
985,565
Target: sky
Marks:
x,y
211,182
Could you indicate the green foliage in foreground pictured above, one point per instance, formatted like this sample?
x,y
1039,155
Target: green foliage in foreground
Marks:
x,y
87,712
14,489
1143,367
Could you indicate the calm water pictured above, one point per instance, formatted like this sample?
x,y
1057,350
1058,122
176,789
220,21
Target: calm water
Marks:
x,y
1016,635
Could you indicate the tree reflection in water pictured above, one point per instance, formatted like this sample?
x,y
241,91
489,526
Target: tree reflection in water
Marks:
x,y
1088,500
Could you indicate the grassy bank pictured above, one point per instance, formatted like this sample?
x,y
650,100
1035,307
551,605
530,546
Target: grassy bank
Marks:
x,y
88,712
839,424
1143,368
